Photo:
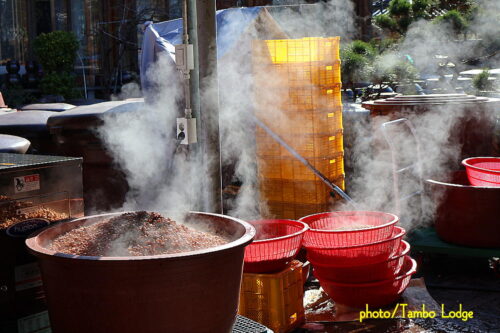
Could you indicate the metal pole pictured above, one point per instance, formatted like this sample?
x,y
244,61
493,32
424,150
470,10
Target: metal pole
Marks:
x,y
327,181
209,105
192,24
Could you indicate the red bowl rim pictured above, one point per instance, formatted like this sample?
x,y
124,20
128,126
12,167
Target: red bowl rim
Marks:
x,y
400,234
467,163
404,244
403,274
393,221
304,226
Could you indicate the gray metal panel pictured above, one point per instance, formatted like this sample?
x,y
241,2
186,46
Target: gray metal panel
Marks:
x,y
55,107
12,162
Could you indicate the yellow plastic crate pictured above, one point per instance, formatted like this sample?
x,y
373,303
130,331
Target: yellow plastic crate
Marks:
x,y
312,98
314,122
274,300
307,122
297,99
290,210
307,145
296,191
306,191
303,50
305,74
289,168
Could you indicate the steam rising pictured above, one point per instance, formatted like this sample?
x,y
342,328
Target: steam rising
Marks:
x,y
163,176
143,145
436,130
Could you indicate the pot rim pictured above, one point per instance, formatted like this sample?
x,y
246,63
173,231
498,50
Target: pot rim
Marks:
x,y
34,246
468,187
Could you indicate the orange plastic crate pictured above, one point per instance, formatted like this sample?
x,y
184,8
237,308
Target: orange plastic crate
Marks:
x,y
302,50
305,192
314,122
305,74
312,98
297,191
289,168
290,210
274,300
306,122
293,99
307,145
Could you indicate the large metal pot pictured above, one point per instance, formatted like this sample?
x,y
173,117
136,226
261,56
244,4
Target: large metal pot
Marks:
x,y
465,215
187,292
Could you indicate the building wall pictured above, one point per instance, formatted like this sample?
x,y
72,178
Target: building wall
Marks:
x,y
107,30
13,30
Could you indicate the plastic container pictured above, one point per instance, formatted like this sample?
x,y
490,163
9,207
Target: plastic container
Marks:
x,y
307,145
13,144
76,133
31,125
186,292
465,215
289,168
303,50
364,273
483,171
290,210
375,294
54,107
326,121
276,244
358,254
274,300
312,98
296,191
308,73
472,136
322,231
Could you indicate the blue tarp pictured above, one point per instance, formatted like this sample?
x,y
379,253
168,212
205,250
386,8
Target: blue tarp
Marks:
x,y
161,37
231,23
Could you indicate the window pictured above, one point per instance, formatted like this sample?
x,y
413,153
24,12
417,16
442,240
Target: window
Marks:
x,y
14,30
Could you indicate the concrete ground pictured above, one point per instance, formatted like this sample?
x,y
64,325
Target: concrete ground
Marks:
x,y
450,281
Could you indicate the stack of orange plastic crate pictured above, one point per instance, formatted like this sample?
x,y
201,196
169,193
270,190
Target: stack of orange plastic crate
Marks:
x,y
297,94
274,300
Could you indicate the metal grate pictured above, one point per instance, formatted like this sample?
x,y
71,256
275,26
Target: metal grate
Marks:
x,y
245,325
15,161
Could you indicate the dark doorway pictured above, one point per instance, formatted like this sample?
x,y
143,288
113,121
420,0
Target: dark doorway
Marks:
x,y
43,16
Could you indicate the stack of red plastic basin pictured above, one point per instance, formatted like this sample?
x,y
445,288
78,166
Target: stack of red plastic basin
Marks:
x,y
359,257
276,244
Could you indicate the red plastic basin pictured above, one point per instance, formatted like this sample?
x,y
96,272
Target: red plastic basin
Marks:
x,y
483,171
375,294
358,254
365,273
323,233
276,244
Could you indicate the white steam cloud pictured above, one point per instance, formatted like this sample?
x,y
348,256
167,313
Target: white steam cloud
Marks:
x,y
437,129
159,173
164,176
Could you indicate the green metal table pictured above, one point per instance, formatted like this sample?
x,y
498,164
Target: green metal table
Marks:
x,y
427,241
